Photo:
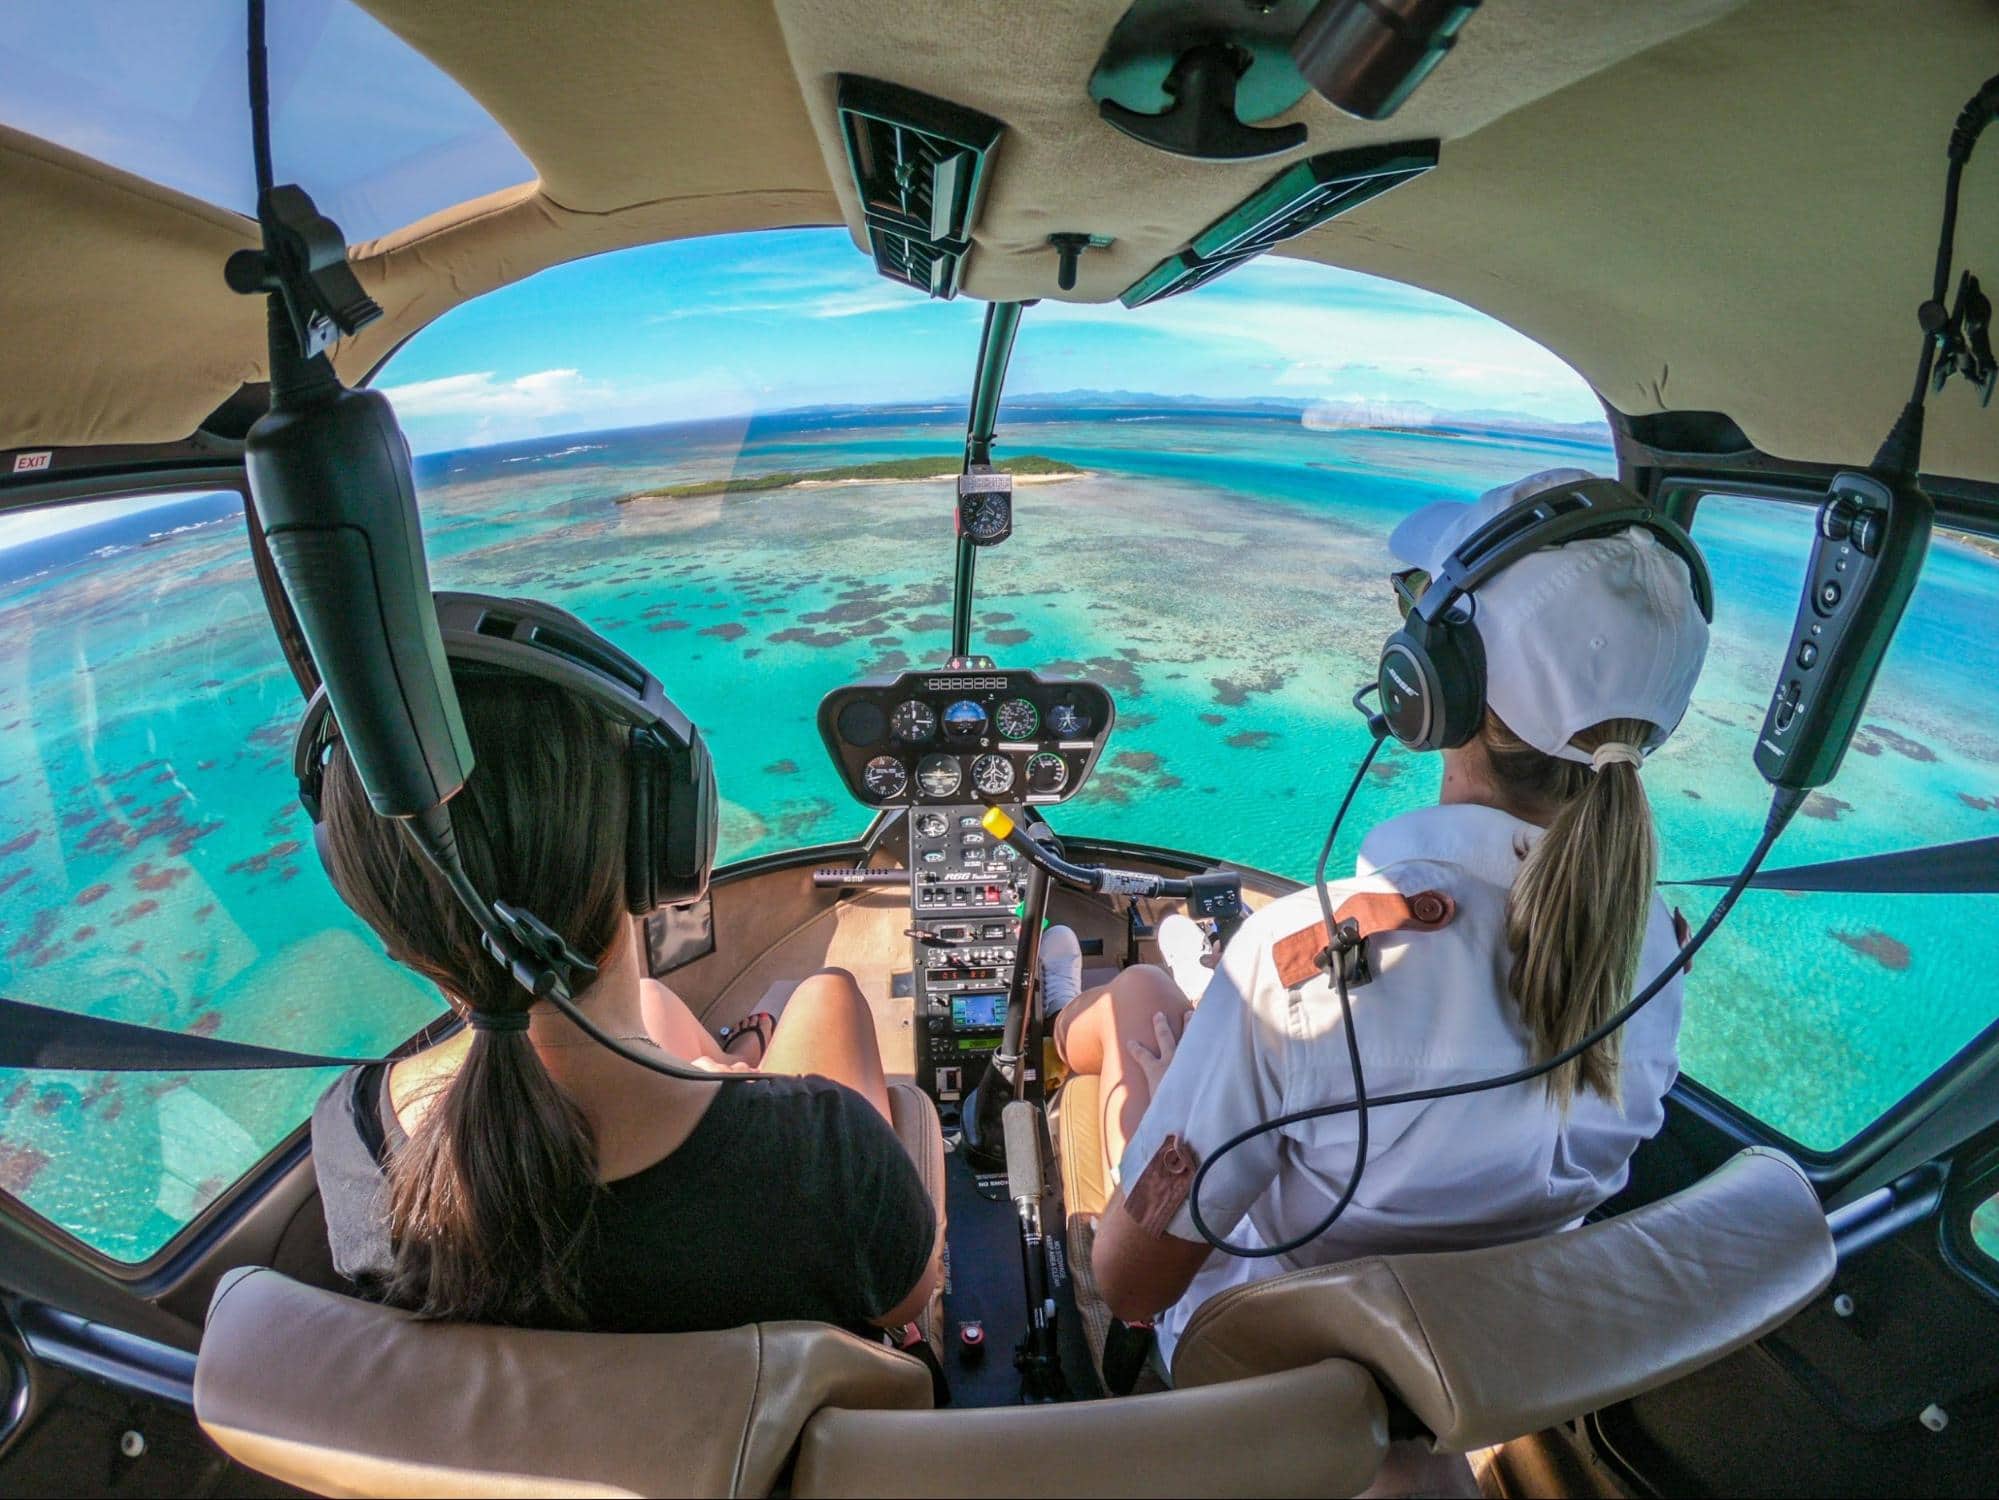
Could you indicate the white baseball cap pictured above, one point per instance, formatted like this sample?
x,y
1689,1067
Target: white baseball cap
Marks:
x,y
1603,628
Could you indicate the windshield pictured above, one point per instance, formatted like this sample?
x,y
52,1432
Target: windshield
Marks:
x,y
1205,494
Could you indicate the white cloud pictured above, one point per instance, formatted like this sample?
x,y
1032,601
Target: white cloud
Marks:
x,y
543,393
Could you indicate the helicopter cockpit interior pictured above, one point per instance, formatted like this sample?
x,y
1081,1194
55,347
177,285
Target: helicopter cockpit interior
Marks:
x,y
959,445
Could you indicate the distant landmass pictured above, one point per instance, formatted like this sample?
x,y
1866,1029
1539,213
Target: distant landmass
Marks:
x,y
1032,466
1040,406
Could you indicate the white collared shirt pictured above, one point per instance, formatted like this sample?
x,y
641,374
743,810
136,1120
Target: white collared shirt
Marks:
x,y
1446,1174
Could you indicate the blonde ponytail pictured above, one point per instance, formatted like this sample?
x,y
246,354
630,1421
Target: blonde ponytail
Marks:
x,y
1579,906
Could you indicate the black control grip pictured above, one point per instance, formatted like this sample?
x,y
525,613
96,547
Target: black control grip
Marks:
x,y
1873,533
330,477
853,877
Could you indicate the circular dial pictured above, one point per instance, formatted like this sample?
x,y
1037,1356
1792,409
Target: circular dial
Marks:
x,y
885,777
940,775
986,515
932,825
1006,853
1047,772
1017,719
992,774
964,720
913,722
1068,720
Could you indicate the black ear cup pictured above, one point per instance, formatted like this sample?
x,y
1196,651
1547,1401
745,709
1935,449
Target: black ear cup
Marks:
x,y
1432,683
670,842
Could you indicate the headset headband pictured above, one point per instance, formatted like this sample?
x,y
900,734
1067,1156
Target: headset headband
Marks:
x,y
1562,514
533,639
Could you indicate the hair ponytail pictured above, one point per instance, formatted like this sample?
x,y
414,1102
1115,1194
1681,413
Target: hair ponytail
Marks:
x,y
491,1198
1576,916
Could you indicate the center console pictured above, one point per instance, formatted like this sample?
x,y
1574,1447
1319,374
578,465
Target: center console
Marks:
x,y
966,892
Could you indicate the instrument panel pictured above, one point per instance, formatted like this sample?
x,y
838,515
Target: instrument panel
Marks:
x,y
988,736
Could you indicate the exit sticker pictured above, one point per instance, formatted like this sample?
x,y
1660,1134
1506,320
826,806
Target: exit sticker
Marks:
x,y
28,463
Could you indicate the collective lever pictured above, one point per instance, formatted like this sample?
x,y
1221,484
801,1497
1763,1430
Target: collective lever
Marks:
x,y
1038,1358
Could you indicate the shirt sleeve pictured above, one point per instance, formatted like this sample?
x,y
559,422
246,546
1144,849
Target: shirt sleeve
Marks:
x,y
1227,1075
894,1222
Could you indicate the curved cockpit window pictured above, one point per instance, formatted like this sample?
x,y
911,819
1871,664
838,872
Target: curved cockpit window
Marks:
x,y
383,137
713,451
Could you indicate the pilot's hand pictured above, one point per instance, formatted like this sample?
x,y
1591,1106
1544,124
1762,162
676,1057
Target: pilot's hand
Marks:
x,y
1152,1065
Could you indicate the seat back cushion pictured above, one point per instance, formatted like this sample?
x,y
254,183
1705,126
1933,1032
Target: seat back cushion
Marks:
x,y
1486,1345
343,1397
1317,1430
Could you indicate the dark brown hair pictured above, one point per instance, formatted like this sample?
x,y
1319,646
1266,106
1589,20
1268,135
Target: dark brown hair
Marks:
x,y
1576,916
491,1197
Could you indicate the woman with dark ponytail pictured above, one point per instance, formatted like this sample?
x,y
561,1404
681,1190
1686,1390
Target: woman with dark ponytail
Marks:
x,y
520,1173
1508,921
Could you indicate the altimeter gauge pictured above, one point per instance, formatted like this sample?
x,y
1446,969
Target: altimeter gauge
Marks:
x,y
913,722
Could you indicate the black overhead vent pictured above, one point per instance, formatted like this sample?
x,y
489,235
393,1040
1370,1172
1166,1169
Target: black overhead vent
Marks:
x,y
1301,197
919,166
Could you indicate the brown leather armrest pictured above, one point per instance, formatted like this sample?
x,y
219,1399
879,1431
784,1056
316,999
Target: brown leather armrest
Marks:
x,y
1319,1430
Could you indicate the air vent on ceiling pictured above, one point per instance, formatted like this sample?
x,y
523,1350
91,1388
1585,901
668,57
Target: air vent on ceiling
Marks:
x,y
1301,197
919,166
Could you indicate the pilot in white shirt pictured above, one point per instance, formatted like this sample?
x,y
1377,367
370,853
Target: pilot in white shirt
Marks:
x,y
1507,921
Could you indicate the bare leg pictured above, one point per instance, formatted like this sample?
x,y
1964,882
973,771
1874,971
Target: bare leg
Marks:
x,y
1094,1031
828,1031
673,1027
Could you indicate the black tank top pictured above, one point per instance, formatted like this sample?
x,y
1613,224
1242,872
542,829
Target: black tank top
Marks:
x,y
792,1198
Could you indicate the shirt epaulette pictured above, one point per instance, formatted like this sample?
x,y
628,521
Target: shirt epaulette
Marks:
x,y
1301,955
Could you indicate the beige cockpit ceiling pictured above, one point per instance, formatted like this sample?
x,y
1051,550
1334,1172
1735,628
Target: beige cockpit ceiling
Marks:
x,y
1702,205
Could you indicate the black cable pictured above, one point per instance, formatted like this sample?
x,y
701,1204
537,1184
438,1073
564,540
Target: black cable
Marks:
x,y
260,100
1783,807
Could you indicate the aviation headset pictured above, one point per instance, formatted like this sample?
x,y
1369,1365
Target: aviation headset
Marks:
x,y
1432,672
670,828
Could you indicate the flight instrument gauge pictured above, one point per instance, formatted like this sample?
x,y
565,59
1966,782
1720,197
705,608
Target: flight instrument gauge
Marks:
x,y
1047,773
1068,721
985,508
964,720
885,778
940,775
932,825
913,722
1017,719
992,774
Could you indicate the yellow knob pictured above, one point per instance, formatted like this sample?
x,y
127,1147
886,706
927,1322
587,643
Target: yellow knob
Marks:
x,y
997,823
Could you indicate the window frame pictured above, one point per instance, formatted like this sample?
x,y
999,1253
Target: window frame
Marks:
x,y
1681,494
1967,1193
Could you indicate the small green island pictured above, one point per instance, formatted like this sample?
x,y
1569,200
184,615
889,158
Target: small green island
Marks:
x,y
1031,466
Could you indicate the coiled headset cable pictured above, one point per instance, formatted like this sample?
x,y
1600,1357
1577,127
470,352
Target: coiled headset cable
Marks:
x,y
1783,807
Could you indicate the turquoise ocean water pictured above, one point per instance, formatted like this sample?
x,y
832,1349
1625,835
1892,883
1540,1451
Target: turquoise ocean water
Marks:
x,y
1222,572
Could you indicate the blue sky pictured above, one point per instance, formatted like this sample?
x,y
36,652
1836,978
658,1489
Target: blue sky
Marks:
x,y
759,322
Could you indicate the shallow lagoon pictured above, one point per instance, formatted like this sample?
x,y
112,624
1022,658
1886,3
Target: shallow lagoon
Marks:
x,y
1223,573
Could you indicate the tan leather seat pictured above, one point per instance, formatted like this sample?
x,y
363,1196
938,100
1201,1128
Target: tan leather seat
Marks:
x,y
1487,1345
1317,1430
343,1397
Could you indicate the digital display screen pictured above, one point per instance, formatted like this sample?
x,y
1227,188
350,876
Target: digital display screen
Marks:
x,y
978,1010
